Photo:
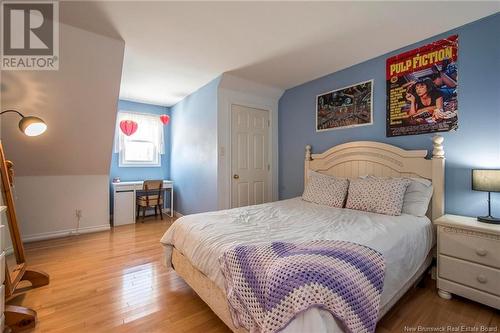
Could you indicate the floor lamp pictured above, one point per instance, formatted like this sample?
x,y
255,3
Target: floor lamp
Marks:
x,y
18,318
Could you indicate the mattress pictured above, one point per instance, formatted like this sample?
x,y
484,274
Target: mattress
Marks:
x,y
404,241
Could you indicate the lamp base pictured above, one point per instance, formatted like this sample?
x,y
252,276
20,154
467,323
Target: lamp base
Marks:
x,y
488,219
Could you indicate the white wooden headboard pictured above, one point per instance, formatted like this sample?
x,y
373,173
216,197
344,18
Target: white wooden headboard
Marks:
x,y
361,158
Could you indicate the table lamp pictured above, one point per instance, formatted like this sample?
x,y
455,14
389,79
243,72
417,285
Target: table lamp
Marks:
x,y
486,181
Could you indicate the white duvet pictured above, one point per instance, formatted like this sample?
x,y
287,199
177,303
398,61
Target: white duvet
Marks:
x,y
404,241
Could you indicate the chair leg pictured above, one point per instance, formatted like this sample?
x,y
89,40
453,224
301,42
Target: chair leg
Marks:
x,y
137,210
156,213
143,214
161,213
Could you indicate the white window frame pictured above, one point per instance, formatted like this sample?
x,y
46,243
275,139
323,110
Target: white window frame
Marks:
x,y
122,163
141,164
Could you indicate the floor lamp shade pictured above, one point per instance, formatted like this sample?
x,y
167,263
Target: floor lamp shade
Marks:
x,y
32,126
29,125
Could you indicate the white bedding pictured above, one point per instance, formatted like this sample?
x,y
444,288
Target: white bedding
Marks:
x,y
404,241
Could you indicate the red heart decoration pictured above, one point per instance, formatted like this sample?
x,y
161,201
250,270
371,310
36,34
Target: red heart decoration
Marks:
x,y
128,127
164,119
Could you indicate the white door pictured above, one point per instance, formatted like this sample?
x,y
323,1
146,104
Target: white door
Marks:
x,y
249,156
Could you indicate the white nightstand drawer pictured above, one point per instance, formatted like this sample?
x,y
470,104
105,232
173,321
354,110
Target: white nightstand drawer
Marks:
x,y
470,274
461,244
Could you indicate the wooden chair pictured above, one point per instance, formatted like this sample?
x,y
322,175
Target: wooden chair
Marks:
x,y
150,196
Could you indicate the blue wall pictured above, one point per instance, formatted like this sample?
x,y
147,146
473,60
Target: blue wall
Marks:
x,y
194,150
476,143
132,173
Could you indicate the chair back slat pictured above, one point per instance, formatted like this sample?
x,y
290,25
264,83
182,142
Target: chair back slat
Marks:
x,y
152,184
153,190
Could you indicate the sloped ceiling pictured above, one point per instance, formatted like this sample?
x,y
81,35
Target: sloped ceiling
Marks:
x,y
78,103
174,48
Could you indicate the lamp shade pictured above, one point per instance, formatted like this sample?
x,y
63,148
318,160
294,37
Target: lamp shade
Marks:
x,y
32,126
486,180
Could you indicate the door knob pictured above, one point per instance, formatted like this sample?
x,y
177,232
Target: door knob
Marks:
x,y
236,176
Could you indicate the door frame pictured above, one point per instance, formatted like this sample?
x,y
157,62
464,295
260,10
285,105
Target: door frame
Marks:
x,y
228,98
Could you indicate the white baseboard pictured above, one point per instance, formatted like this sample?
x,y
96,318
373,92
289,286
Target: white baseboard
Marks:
x,y
72,232
150,211
64,233
176,213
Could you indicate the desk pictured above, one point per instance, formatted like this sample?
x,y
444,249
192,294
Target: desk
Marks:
x,y
124,195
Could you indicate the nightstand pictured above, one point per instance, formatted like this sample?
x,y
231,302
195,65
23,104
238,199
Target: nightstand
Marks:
x,y
468,259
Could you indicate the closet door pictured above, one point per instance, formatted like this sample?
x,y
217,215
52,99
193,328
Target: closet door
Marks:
x,y
249,156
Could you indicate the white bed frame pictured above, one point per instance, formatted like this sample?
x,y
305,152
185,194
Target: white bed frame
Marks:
x,y
347,160
360,158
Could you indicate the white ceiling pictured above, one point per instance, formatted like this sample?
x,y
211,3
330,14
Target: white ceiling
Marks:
x,y
174,48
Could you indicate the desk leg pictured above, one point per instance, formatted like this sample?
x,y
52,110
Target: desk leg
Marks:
x,y
164,200
114,206
135,206
172,201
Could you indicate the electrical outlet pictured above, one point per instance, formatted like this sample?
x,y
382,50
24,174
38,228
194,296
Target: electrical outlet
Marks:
x,y
78,214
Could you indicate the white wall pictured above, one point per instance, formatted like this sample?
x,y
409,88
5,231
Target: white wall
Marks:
x,y
67,167
235,90
46,205
78,102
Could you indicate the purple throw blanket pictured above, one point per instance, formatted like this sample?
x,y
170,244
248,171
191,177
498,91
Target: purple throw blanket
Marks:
x,y
269,285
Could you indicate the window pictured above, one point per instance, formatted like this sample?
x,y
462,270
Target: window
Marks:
x,y
144,147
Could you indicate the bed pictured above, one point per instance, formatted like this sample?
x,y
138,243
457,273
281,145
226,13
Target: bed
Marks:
x,y
194,243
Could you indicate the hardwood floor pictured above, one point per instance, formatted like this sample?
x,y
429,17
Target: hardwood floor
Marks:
x,y
115,282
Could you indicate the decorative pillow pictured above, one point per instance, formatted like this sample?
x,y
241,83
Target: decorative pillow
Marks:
x,y
417,197
325,190
377,194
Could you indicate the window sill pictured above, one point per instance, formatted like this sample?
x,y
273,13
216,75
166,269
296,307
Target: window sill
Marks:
x,y
139,165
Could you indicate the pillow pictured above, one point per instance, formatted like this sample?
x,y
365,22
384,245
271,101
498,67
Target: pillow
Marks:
x,y
325,190
377,194
417,197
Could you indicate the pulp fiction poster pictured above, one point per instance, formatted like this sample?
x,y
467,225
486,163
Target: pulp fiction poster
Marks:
x,y
422,89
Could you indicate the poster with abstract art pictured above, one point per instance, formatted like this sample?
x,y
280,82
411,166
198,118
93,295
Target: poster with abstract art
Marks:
x,y
422,89
346,107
